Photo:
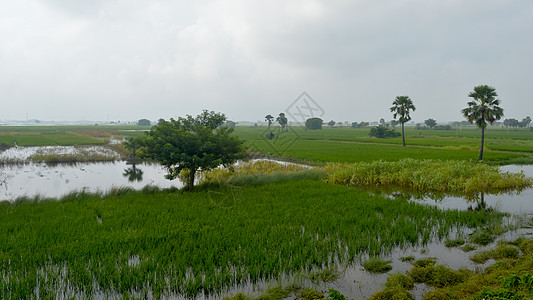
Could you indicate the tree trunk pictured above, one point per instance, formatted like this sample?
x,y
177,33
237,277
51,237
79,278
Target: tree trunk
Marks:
x,y
482,143
403,135
190,186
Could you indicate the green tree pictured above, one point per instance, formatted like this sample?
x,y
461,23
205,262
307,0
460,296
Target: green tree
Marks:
x,y
269,119
144,122
401,107
331,123
383,132
525,121
313,123
430,123
192,144
483,109
282,120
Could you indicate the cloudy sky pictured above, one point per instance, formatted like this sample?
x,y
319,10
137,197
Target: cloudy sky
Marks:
x,y
131,59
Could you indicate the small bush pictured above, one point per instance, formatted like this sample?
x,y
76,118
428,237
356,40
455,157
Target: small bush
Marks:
x,y
382,132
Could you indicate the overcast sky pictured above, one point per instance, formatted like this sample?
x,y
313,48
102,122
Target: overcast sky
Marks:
x,y
131,59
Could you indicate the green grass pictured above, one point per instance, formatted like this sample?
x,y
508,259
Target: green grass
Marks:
x,y
171,243
55,138
316,146
377,265
427,176
353,145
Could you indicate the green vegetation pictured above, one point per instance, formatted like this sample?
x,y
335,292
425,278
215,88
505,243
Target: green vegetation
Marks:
x,y
483,110
382,132
426,176
190,144
509,278
502,146
354,145
261,221
377,265
123,243
401,107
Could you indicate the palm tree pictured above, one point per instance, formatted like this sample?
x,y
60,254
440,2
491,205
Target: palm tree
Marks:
x,y
282,120
401,107
484,108
269,119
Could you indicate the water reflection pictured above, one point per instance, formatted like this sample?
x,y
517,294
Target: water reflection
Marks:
x,y
55,180
518,201
133,173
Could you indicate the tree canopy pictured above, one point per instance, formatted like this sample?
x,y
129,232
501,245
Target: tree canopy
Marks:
x,y
269,118
313,123
282,120
192,144
430,123
144,122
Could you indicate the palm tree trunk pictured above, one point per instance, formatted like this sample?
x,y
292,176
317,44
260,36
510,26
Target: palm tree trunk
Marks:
x,y
482,143
403,135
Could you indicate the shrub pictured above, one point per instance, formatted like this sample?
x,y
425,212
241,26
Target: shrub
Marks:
x,y
383,132
313,123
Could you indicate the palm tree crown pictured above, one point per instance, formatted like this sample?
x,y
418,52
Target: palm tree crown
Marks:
x,y
402,105
484,108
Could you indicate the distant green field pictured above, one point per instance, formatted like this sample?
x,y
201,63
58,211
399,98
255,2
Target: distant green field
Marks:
x,y
61,135
328,144
354,145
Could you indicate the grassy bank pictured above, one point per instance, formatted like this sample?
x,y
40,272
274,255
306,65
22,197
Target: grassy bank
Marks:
x,y
171,243
456,177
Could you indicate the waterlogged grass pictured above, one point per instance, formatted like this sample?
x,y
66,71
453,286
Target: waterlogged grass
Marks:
x,y
169,243
377,265
427,176
510,277
76,154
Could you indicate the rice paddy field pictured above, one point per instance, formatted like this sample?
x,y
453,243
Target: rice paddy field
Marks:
x,y
262,223
354,145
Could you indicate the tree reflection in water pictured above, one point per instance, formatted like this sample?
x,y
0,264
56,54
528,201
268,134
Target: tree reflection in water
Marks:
x,y
133,173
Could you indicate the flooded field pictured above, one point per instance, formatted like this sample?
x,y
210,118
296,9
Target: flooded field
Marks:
x,y
55,180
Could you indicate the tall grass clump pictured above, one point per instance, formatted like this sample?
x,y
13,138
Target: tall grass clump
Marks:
x,y
427,176
254,167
